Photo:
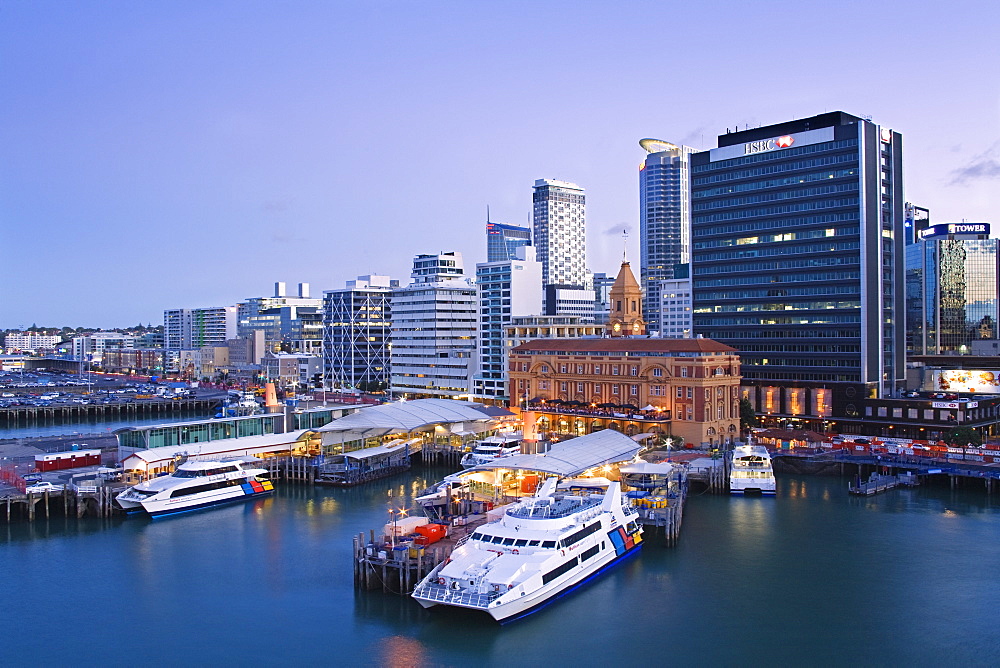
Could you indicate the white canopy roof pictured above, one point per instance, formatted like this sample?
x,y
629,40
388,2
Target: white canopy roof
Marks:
x,y
395,446
403,417
661,468
573,457
227,447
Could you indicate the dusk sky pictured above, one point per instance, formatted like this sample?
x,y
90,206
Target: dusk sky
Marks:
x,y
176,154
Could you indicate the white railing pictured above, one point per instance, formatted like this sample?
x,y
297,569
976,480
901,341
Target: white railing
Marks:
x,y
436,592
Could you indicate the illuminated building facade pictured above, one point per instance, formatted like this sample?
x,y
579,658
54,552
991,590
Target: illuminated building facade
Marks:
x,y
797,262
664,220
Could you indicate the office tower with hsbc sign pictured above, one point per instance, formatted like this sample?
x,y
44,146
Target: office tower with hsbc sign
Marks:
x,y
797,261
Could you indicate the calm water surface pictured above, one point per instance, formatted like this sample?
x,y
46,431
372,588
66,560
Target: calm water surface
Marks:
x,y
95,426
812,577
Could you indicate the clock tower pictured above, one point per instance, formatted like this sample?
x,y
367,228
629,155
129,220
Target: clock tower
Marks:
x,y
625,318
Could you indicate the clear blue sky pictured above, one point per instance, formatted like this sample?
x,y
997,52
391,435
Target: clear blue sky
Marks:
x,y
180,154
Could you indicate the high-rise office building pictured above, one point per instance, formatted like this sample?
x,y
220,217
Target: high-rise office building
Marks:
x,y
559,225
502,241
602,296
915,220
187,329
952,288
675,304
356,333
290,323
797,261
664,220
507,289
434,322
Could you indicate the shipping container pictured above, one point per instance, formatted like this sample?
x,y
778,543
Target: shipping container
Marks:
x,y
55,461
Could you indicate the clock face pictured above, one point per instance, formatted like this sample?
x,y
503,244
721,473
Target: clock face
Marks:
x,y
635,327
618,327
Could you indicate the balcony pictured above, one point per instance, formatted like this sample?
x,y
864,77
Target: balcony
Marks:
x,y
600,410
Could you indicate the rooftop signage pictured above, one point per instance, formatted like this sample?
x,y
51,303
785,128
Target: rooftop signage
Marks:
x,y
768,144
955,229
771,144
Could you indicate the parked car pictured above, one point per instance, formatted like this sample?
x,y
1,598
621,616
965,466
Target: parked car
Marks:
x,y
41,488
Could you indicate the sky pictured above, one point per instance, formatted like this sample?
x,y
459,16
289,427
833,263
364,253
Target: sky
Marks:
x,y
184,154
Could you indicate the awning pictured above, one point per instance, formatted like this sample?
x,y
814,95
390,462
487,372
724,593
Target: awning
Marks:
x,y
642,437
647,468
574,456
402,417
398,445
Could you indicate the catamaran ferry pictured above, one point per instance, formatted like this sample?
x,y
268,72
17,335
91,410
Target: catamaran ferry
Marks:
x,y
195,485
541,548
750,471
488,450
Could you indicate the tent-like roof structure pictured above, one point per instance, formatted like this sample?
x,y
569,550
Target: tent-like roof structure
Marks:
x,y
406,416
574,456
227,447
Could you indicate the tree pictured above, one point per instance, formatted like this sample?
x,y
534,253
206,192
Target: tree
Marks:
x,y
963,436
748,416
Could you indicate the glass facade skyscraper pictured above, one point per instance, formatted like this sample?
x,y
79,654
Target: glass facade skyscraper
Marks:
x,y
502,241
952,290
664,221
797,261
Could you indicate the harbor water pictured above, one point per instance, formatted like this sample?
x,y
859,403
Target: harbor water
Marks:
x,y
98,426
811,577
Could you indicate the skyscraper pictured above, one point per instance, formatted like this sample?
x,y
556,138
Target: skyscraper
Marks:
x,y
559,220
502,241
434,322
356,332
507,288
952,288
797,244
664,220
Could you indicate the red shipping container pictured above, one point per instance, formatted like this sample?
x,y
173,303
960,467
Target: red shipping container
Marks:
x,y
528,484
431,533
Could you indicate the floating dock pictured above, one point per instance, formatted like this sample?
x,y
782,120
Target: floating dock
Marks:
x,y
880,483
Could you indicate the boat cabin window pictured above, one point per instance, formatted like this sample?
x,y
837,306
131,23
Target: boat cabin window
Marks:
x,y
549,543
534,543
520,542
476,535
508,541
181,473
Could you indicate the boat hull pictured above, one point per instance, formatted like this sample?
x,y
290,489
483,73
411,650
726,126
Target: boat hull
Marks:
x,y
511,612
752,491
159,509
523,606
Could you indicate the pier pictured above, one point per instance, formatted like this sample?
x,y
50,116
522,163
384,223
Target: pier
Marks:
x,y
876,483
29,415
396,566
958,473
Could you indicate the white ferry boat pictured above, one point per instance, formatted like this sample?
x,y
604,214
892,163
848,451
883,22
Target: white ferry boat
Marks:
x,y
541,548
488,450
195,485
750,471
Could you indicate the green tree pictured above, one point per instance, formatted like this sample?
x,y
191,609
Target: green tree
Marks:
x,y
748,416
963,436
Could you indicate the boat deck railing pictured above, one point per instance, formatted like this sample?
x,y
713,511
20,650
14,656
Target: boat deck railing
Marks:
x,y
553,509
432,591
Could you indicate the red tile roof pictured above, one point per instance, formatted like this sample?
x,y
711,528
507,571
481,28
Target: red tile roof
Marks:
x,y
624,345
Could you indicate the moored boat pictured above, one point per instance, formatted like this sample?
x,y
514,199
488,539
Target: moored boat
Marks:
x,y
195,485
541,548
488,450
750,471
